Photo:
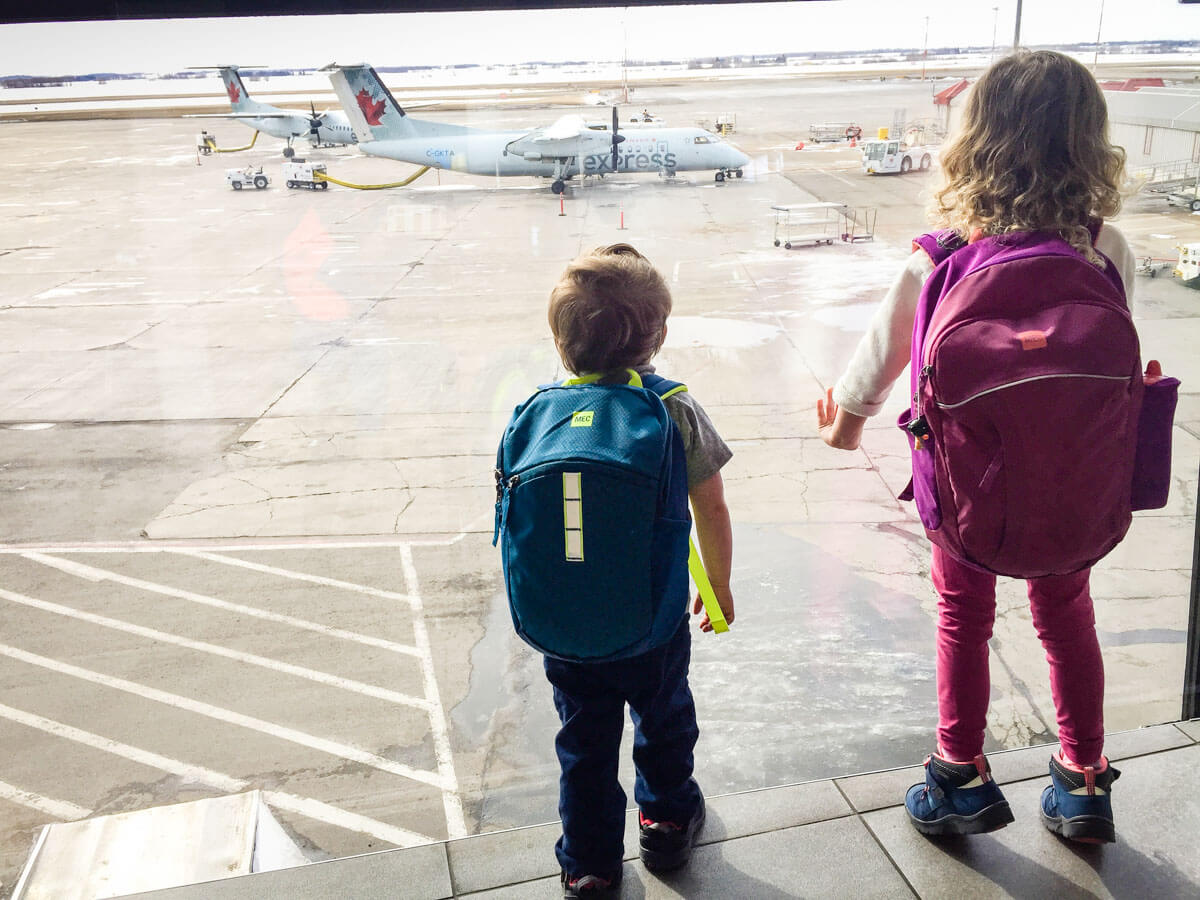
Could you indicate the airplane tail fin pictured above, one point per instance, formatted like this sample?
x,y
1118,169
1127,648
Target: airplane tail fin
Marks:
x,y
239,97
372,110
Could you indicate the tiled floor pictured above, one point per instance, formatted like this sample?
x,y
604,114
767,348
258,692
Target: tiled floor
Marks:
x,y
845,837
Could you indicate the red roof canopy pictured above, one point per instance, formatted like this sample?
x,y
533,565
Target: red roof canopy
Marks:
x,y
943,97
1131,84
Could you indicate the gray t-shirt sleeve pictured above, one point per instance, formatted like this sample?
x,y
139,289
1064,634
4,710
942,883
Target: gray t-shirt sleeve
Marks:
x,y
706,452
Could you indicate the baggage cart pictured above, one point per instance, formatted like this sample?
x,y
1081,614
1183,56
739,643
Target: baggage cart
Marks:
x,y
858,224
815,223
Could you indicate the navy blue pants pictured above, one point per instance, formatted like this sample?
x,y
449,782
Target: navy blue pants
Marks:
x,y
591,698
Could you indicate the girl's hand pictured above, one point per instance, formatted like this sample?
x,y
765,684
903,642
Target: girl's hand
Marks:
x,y
838,428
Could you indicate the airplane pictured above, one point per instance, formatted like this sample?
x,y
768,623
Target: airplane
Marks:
x,y
569,147
328,129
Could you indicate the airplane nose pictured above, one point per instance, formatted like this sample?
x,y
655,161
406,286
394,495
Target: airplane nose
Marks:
x,y
738,158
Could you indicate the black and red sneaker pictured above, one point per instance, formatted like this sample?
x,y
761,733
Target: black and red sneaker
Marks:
x,y
668,845
576,886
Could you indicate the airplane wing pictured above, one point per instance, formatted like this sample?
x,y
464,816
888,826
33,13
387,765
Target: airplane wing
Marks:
x,y
568,136
233,115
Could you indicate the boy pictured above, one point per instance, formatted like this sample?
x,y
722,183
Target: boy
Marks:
x,y
608,313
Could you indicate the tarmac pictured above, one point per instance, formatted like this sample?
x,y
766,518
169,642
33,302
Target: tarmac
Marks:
x,y
248,440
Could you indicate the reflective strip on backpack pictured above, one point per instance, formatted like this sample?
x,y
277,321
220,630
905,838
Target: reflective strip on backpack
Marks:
x,y
573,515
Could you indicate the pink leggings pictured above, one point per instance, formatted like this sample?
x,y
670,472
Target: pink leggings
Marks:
x,y
1065,624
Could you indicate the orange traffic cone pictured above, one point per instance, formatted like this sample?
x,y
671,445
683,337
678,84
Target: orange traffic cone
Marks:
x,y
800,146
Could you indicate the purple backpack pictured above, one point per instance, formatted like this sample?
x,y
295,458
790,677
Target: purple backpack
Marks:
x,y
1026,390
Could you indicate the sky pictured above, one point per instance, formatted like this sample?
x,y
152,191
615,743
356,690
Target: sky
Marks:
x,y
579,34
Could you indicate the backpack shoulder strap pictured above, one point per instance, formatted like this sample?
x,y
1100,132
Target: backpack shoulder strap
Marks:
x,y
664,387
939,244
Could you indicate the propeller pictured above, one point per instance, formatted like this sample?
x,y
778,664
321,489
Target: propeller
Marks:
x,y
616,139
315,121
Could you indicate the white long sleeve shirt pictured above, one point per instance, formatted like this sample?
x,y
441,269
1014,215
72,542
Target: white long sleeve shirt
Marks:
x,y
885,349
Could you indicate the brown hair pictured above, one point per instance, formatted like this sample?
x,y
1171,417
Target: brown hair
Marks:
x,y
1032,154
608,310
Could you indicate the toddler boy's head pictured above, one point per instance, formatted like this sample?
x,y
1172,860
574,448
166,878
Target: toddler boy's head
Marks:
x,y
609,311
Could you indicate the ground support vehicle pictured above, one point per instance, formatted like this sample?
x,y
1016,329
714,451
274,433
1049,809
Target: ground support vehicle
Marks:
x,y
1188,198
1188,269
300,174
1151,266
834,131
815,223
247,177
885,156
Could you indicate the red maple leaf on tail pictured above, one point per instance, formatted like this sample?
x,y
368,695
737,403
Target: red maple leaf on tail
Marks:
x,y
371,108
234,93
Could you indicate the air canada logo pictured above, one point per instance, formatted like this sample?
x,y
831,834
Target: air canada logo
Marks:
x,y
234,93
372,109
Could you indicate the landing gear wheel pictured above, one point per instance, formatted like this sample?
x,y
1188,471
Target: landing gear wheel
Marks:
x,y
719,177
237,185
260,182
905,165
738,173
925,162
288,152
787,245
559,186
776,243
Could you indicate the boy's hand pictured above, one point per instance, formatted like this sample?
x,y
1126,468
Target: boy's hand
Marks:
x,y
724,600
838,428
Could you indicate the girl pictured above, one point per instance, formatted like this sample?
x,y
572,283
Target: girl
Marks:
x,y
1032,156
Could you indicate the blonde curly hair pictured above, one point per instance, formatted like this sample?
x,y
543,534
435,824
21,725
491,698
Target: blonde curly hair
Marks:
x,y
1032,153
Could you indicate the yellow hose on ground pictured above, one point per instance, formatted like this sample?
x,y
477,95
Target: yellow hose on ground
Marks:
x,y
372,187
213,144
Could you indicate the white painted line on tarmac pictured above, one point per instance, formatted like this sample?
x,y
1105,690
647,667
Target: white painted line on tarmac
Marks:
x,y
60,809
85,571
189,773
297,576
281,732
451,801
345,684
846,181
323,812
165,546
305,806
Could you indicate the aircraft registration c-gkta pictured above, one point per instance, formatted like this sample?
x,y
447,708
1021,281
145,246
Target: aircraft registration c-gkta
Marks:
x,y
329,129
569,147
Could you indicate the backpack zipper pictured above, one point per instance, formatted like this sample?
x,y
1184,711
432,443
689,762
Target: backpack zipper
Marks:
x,y
917,426
503,492
1000,387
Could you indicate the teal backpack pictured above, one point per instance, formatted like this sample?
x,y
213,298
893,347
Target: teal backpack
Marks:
x,y
592,518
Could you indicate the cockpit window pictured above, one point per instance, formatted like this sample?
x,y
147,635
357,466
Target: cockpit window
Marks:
x,y
701,139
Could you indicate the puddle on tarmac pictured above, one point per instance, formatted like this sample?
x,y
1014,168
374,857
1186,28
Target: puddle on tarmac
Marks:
x,y
703,331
